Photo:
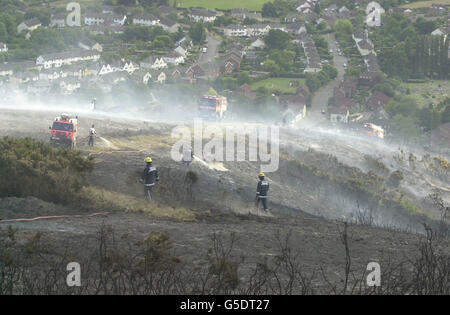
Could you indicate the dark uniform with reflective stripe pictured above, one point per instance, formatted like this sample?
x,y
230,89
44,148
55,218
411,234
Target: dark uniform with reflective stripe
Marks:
x,y
261,193
150,177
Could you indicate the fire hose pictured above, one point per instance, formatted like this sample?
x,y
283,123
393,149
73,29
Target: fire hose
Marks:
x,y
55,217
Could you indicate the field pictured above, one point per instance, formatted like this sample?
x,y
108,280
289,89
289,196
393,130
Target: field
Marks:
x,y
278,84
253,5
425,4
430,92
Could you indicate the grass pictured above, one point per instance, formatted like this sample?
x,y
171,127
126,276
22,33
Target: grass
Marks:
x,y
252,5
278,84
108,199
424,4
429,92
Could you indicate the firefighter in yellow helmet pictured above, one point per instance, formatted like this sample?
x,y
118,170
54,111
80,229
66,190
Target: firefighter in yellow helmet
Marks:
x,y
149,178
261,191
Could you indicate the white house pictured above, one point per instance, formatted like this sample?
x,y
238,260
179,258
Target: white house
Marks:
x,y
201,15
374,11
105,69
89,44
28,25
129,67
3,47
180,50
95,18
66,58
146,20
236,30
173,58
58,20
169,25
153,63
257,44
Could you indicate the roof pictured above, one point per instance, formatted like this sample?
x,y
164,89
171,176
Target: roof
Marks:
x,y
202,12
167,22
70,54
32,22
146,17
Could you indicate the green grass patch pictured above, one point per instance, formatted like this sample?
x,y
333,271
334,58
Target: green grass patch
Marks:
x,y
253,5
282,85
429,92
424,4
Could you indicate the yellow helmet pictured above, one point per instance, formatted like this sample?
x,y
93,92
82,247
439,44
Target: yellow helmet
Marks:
x,y
148,160
261,174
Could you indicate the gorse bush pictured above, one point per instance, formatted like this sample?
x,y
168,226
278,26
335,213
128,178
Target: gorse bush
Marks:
x,y
32,168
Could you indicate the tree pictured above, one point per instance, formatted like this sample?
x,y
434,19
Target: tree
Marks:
x,y
212,92
272,67
269,10
277,39
197,33
406,128
3,33
423,26
343,27
283,58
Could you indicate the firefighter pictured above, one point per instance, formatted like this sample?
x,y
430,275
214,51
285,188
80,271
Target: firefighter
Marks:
x,y
149,178
261,191
92,134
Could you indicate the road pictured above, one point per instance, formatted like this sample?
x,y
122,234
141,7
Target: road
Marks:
x,y
320,99
212,52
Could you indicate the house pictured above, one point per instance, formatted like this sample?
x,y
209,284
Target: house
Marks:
x,y
91,18
374,11
141,76
378,100
40,87
338,115
25,77
292,17
257,44
343,13
66,58
371,63
3,47
58,20
202,15
304,6
359,35
173,58
441,32
258,29
52,74
239,13
29,25
292,101
158,76
296,28
349,86
369,79
185,42
246,90
68,85
169,25
153,62
146,20
365,47
236,30
180,50
129,66
211,69
105,69
176,73
89,44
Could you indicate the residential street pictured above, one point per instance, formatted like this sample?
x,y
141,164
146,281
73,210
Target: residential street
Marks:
x,y
320,99
212,52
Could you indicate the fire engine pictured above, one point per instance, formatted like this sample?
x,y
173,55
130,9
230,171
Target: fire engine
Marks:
x,y
373,130
64,131
213,107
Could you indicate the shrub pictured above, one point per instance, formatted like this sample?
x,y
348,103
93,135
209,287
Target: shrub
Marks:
x,y
32,168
